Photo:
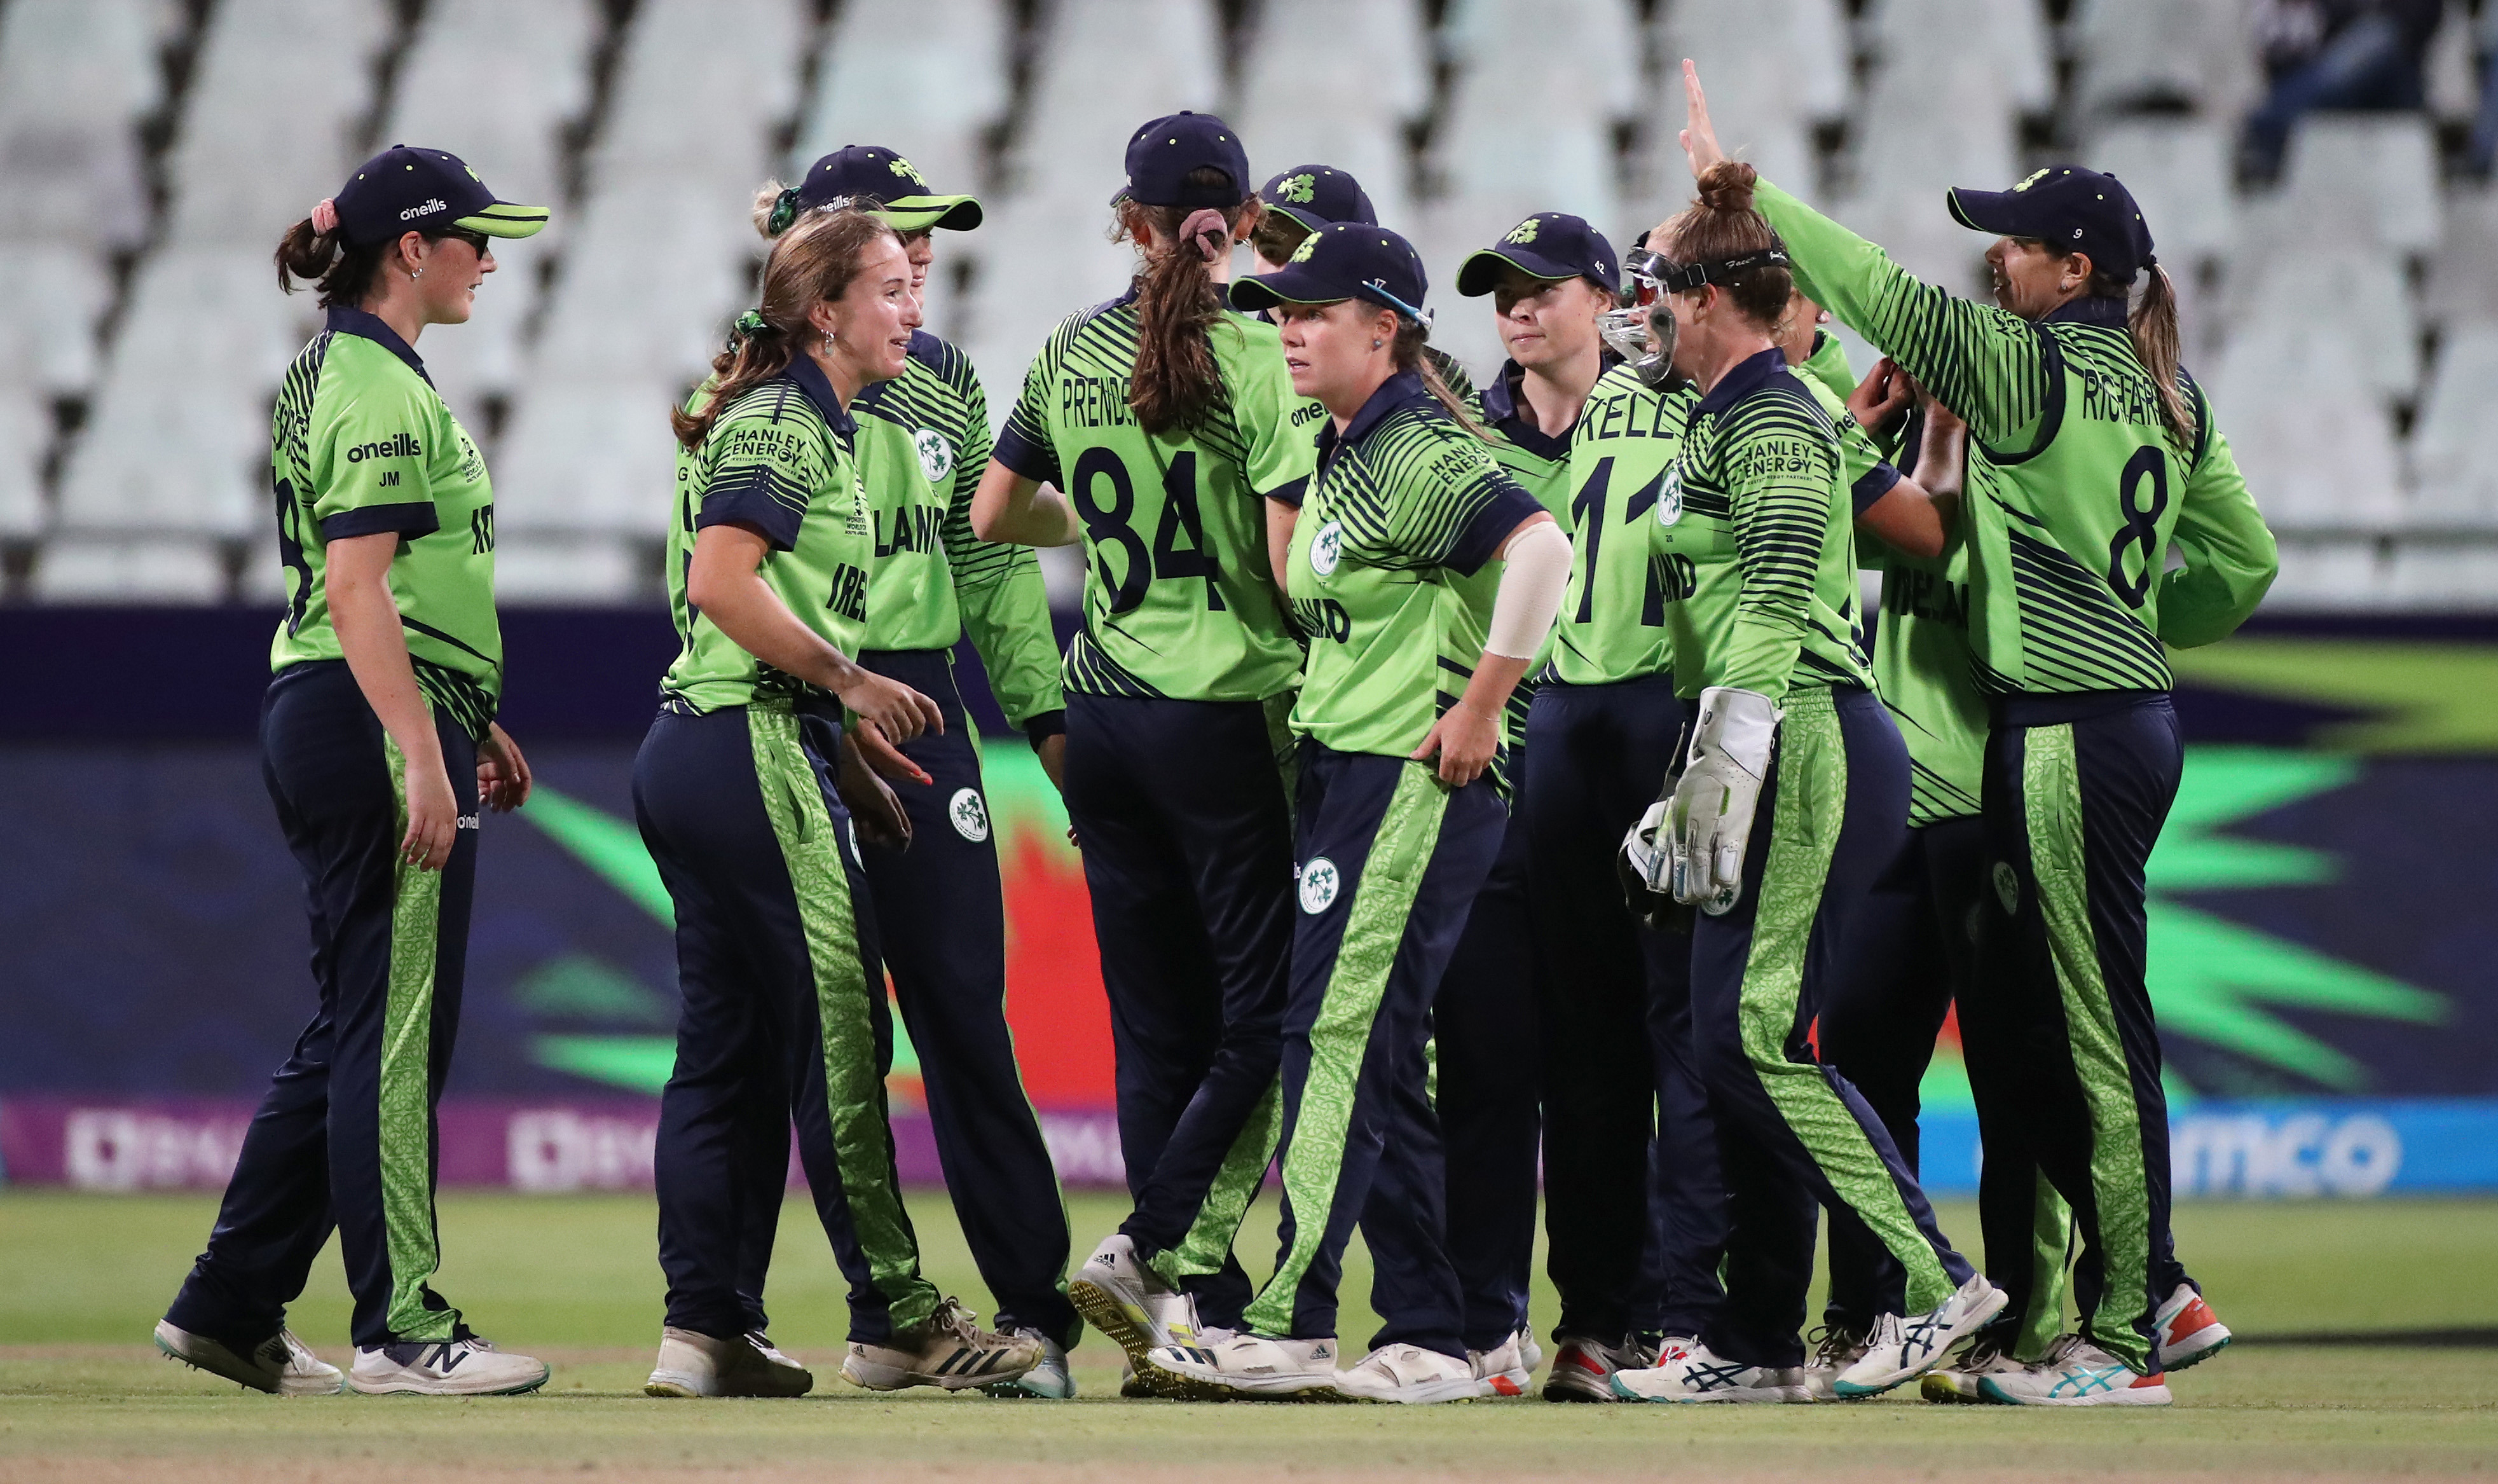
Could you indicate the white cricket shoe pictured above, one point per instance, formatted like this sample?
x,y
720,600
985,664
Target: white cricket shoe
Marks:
x,y
1530,1353
1838,1349
1989,1352
1411,1374
443,1368
946,1350
697,1365
1503,1371
1698,1373
1903,1349
1048,1378
279,1365
1128,1303
2186,1331
1582,1369
2076,1373
1248,1368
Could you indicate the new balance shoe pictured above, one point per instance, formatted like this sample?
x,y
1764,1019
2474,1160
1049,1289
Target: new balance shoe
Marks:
x,y
1582,1369
2186,1331
443,1368
1246,1368
2076,1373
1696,1373
1988,1352
946,1350
1836,1348
1902,1349
1503,1371
1411,1374
1128,1303
279,1365
1048,1378
697,1365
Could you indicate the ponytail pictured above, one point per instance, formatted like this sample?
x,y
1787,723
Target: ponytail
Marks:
x,y
2153,325
343,272
1410,356
1176,379
1721,225
811,261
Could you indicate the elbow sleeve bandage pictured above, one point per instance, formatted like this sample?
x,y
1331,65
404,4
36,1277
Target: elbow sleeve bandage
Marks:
x,y
1531,592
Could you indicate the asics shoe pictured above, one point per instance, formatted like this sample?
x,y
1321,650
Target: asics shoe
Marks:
x,y
697,1365
1503,1371
1696,1373
1411,1374
1989,1352
1249,1368
1902,1349
2188,1331
279,1365
1129,1302
1836,1348
2076,1373
946,1350
443,1368
1049,1377
1582,1369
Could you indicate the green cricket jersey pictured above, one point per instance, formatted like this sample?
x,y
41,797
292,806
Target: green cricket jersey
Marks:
x,y
1612,624
780,460
1309,415
1827,365
360,443
1178,599
922,445
2075,486
1392,569
1759,535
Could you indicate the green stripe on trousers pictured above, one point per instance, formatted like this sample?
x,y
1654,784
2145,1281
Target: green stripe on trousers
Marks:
x,y
405,1122
1374,929
2050,1243
853,1087
2051,798
1226,1205
1804,835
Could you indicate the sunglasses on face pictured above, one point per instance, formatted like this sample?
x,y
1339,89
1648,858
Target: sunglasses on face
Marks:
x,y
478,242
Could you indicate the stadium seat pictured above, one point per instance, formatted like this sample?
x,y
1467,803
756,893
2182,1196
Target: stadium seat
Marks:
x,y
1080,112
2004,39
1924,129
1584,50
614,315
2312,436
699,91
2450,448
151,569
557,571
1346,106
495,84
2443,573
2178,170
1773,69
2323,577
2354,293
923,77
2161,53
2361,180
76,76
25,435
1529,121
47,319
2463,273
587,455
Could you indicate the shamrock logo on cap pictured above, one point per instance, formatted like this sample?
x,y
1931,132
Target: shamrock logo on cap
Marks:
x,y
1310,246
2034,178
1524,232
907,171
1302,188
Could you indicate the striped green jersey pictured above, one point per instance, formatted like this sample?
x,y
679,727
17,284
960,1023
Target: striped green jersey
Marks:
x,y
2076,487
1178,597
922,445
361,444
1612,624
779,461
1540,463
1760,538
1392,569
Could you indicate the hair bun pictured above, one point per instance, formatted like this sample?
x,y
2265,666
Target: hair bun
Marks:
x,y
1727,186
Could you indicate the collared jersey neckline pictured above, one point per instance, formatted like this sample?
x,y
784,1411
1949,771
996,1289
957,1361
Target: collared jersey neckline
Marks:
x,y
1742,379
810,378
344,320
1401,390
2089,309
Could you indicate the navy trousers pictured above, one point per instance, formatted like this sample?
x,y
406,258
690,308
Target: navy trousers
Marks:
x,y
1181,810
345,1136
1635,1211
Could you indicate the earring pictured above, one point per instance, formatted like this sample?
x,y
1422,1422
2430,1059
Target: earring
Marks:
x,y
1376,342
415,273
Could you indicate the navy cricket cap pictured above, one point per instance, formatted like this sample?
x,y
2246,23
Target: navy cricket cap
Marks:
x,y
404,189
1548,244
1345,260
2070,209
906,204
1162,153
1319,196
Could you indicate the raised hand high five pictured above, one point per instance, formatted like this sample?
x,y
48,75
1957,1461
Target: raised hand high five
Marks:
x,y
1699,137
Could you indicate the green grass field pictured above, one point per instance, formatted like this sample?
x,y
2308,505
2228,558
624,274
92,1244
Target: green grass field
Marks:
x,y
83,1394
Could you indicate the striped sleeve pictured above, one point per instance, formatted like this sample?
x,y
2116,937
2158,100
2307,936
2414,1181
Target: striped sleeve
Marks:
x,y
997,586
764,458
1780,465
1453,504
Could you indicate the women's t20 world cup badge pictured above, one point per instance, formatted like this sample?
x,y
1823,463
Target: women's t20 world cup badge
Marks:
x,y
1669,495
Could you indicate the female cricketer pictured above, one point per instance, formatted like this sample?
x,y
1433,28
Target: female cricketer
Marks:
x,y
380,745
769,561
1166,419
1794,784
922,443
2090,449
1392,578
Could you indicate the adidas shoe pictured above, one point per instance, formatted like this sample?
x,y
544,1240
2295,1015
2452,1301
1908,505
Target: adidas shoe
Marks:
x,y
697,1365
1049,1377
2075,1374
1132,1385
946,1350
1902,1349
1503,1371
2186,1331
279,1365
1128,1303
443,1368
1696,1373
1246,1368
1989,1352
1838,1349
1582,1369
1410,1375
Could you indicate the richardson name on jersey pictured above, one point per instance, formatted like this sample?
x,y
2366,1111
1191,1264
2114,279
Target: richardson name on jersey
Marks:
x,y
397,446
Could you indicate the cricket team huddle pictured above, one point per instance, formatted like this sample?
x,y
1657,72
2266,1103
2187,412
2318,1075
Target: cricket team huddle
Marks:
x,y
1483,792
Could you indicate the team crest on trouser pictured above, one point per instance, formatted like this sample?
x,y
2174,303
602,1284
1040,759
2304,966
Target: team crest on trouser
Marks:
x,y
969,816
1319,885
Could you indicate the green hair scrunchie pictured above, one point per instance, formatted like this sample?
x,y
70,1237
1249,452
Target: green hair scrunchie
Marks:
x,y
747,326
785,211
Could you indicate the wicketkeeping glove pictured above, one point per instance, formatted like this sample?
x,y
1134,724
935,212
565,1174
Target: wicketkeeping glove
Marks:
x,y
1645,864
1710,820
